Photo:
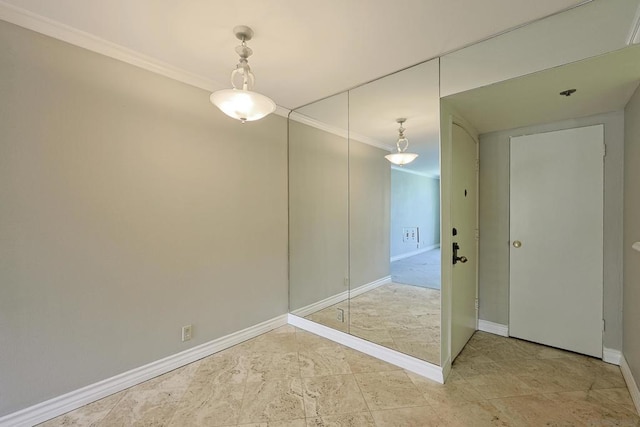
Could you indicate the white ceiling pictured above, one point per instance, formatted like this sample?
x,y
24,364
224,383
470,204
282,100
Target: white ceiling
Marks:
x,y
304,50
604,84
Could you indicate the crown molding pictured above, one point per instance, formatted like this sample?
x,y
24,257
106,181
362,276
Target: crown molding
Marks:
x,y
335,130
634,33
57,30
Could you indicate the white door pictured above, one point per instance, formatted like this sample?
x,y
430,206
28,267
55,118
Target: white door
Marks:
x,y
464,215
556,239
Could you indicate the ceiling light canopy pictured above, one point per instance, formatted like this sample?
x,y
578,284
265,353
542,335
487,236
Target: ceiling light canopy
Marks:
x,y
401,157
240,102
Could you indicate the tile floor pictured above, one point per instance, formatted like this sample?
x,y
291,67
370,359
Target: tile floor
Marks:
x,y
402,317
291,378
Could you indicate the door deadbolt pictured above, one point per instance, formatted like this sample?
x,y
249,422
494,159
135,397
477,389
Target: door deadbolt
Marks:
x,y
517,244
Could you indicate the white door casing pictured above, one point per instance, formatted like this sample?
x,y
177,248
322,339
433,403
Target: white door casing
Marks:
x,y
556,232
464,215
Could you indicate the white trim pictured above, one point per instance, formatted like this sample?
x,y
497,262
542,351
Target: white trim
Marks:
x,y
634,33
76,37
335,130
342,296
632,385
612,356
410,363
370,286
67,402
493,328
414,253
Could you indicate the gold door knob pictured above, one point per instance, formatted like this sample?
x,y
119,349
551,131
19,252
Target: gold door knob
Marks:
x,y
517,243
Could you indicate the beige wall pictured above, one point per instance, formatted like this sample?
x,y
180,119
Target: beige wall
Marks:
x,y
631,325
338,214
129,207
318,214
494,221
369,213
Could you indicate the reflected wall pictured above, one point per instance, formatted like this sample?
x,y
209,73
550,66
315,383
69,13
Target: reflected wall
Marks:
x,y
340,208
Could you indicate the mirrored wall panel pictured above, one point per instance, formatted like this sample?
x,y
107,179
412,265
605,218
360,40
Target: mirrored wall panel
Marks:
x,y
319,212
365,231
394,212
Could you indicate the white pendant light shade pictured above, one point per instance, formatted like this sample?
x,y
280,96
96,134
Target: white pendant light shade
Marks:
x,y
240,102
243,105
401,157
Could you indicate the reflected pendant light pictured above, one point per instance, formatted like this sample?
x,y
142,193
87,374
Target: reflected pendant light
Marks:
x,y
240,102
401,157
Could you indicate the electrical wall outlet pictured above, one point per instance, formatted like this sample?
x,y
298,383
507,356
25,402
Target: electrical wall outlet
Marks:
x,y
340,315
187,332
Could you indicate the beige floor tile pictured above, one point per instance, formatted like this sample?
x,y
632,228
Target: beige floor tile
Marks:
x,y
323,362
289,423
428,351
590,409
450,392
332,395
363,419
534,411
259,383
500,385
209,405
505,351
378,335
144,407
619,396
476,414
272,400
88,414
417,416
401,317
388,390
471,370
268,366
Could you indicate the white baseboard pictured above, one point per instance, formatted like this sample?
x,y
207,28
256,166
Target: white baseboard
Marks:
x,y
67,402
493,328
414,253
402,360
342,296
370,286
612,356
632,385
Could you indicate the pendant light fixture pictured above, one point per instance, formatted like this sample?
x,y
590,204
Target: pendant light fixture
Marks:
x,y
401,157
240,102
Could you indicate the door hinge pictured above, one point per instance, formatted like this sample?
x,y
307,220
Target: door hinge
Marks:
x,y
477,164
477,234
603,325
604,150
477,305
